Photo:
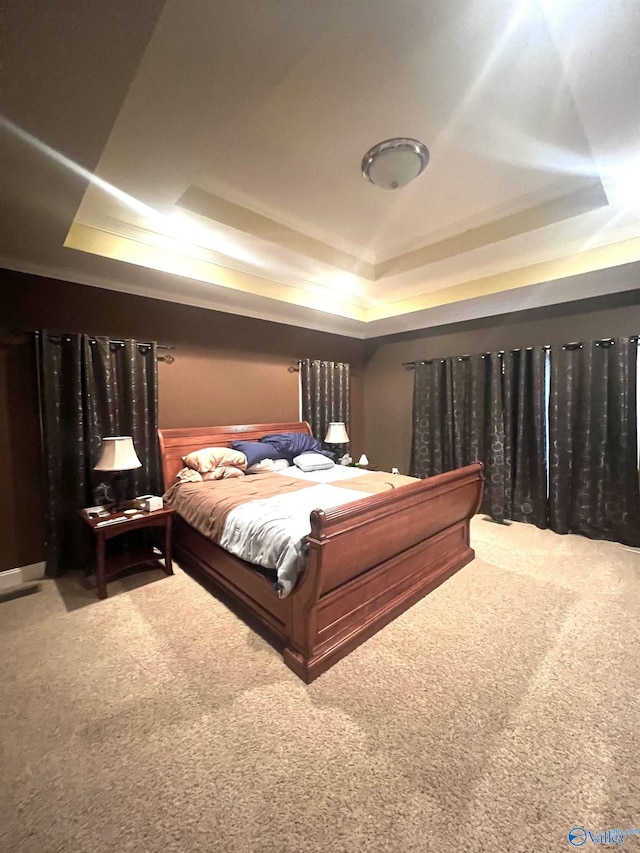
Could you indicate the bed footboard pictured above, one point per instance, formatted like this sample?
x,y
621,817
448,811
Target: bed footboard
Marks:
x,y
370,561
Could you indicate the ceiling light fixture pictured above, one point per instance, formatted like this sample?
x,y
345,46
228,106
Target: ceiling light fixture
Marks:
x,y
393,163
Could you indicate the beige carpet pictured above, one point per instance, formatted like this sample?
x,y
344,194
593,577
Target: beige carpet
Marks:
x,y
497,714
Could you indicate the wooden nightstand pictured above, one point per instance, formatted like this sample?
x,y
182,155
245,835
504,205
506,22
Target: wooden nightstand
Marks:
x,y
108,566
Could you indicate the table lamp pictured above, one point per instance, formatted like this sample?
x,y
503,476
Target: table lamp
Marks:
x,y
119,457
336,435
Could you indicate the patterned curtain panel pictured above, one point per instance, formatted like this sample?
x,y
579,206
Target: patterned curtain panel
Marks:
x,y
90,388
432,437
325,395
593,462
493,409
458,419
489,408
479,425
525,436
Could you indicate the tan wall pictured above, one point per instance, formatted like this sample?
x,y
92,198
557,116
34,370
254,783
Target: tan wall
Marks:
x,y
389,386
227,370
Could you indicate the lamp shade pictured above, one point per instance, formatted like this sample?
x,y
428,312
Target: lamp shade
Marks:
x,y
336,434
118,454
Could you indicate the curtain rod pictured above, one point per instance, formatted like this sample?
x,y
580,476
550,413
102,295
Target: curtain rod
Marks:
x,y
168,359
93,338
138,343
410,365
142,344
295,367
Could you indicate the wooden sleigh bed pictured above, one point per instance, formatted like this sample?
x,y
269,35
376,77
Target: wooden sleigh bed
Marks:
x,y
368,561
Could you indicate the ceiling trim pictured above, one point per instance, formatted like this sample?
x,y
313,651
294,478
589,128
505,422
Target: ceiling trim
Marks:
x,y
574,287
163,237
96,241
214,299
211,206
613,255
582,200
133,250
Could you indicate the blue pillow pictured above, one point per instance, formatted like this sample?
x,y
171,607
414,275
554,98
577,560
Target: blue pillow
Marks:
x,y
290,444
255,451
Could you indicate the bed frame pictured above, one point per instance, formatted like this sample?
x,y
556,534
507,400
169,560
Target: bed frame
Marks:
x,y
368,562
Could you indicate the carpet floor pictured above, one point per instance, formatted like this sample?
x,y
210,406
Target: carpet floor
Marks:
x,y
497,714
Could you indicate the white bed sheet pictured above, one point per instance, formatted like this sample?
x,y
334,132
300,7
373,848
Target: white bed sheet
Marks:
x,y
327,475
271,532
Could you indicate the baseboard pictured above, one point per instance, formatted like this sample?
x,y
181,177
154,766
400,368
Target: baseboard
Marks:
x,y
11,579
33,572
15,578
630,548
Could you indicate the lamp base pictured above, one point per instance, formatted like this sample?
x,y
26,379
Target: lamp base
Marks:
x,y
337,451
120,481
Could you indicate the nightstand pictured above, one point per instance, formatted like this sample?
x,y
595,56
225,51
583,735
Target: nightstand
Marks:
x,y
104,528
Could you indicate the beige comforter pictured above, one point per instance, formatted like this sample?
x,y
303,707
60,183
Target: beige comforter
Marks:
x,y
206,505
268,524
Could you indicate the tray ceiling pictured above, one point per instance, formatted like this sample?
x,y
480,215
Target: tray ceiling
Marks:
x,y
224,168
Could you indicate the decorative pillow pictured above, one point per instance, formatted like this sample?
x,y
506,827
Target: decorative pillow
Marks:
x,y
223,473
188,475
255,451
268,465
313,462
208,458
290,444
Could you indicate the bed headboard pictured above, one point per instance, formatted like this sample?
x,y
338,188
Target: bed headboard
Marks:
x,y
176,443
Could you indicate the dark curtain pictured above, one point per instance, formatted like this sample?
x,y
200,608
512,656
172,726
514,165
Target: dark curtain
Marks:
x,y
593,464
488,408
525,435
432,445
492,409
479,425
90,388
325,395
458,419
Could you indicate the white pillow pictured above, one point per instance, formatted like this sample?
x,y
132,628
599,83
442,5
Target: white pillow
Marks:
x,y
268,465
313,462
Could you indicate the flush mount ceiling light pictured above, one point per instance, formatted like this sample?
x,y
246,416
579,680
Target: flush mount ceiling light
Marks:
x,y
393,163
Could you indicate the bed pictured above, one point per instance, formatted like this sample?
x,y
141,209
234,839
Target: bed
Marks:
x,y
367,561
